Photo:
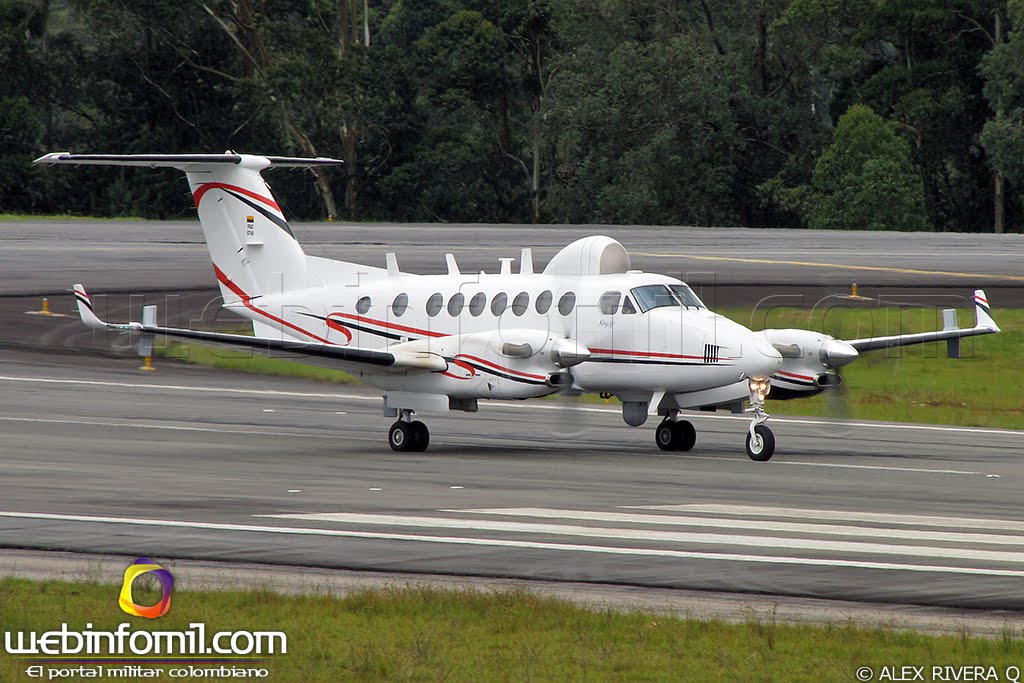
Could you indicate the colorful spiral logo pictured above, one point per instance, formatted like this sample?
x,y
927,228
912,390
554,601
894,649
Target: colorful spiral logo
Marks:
x,y
141,566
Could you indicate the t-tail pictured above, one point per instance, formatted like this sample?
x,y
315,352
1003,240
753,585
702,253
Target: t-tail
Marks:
x,y
253,250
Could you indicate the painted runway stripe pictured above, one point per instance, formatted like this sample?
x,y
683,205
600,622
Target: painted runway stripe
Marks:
x,y
502,405
842,515
511,543
805,544
756,525
837,266
178,428
847,466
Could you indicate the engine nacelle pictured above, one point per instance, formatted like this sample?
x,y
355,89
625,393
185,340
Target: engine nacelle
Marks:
x,y
809,361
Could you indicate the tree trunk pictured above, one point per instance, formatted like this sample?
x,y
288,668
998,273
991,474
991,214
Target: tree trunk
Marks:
x,y
998,218
350,146
999,202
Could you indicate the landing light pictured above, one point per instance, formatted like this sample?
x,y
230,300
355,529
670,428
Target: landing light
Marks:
x,y
761,387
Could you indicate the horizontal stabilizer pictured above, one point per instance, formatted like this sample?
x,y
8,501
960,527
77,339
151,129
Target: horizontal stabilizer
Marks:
x,y
182,162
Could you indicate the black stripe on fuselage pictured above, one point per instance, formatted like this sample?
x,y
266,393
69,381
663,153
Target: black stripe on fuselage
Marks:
x,y
634,361
353,326
498,373
798,382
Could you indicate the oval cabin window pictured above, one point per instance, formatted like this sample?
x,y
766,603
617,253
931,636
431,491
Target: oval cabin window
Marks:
x,y
499,303
567,303
434,304
400,305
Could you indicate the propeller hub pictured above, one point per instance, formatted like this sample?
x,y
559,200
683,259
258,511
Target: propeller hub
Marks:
x,y
835,353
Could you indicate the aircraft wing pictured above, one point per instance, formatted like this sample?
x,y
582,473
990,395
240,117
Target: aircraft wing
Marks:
x,y
407,360
984,324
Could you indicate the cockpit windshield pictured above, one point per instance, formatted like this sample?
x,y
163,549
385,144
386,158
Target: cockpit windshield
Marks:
x,y
686,296
650,297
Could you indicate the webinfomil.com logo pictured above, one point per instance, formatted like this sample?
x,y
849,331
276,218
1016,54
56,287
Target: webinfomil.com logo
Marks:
x,y
140,567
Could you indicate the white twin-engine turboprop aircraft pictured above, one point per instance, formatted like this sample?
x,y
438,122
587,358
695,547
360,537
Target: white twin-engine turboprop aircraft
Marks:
x,y
586,323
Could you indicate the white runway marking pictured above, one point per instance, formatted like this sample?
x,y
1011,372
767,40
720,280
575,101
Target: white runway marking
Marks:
x,y
816,544
758,525
687,456
501,405
843,515
139,425
512,543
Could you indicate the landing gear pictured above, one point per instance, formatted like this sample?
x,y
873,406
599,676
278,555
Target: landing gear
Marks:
x,y
760,439
675,435
760,443
407,434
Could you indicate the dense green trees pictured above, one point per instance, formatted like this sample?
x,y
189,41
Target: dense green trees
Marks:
x,y
865,180
884,114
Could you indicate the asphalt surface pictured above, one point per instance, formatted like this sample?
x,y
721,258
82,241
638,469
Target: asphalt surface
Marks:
x,y
729,266
186,464
191,463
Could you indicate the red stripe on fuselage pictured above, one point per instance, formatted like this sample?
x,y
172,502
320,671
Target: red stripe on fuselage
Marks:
x,y
477,359
206,187
793,374
649,353
389,326
246,300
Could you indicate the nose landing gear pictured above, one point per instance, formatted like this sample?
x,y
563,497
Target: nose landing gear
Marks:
x,y
407,434
760,439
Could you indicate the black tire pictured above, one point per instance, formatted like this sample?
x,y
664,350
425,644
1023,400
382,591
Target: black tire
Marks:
x,y
686,435
666,436
420,436
766,444
400,436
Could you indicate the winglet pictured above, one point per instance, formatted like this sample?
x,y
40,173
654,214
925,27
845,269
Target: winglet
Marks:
x,y
983,312
85,310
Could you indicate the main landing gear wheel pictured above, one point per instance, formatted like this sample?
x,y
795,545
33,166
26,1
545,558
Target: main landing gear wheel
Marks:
x,y
674,435
408,436
420,436
400,436
761,445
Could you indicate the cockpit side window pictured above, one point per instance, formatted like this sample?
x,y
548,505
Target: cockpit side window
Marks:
x,y
650,297
686,296
608,304
627,306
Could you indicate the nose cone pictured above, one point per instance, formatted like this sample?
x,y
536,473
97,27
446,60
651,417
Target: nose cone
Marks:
x,y
836,354
760,360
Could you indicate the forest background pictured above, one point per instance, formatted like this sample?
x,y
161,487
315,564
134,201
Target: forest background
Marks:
x,y
852,114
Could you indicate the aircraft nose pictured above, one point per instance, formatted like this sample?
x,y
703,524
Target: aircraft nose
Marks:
x,y
761,359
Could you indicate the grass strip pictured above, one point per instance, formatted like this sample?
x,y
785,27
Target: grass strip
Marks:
x,y
431,634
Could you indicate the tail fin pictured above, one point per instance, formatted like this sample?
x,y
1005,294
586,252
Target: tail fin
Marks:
x,y
252,248
983,312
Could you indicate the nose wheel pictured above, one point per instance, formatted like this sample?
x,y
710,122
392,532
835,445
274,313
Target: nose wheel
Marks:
x,y
675,435
408,435
760,443
760,438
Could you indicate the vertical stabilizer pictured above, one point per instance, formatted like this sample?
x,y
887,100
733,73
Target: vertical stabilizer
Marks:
x,y
253,250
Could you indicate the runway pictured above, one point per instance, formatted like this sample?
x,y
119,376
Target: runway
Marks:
x,y
194,464
728,266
